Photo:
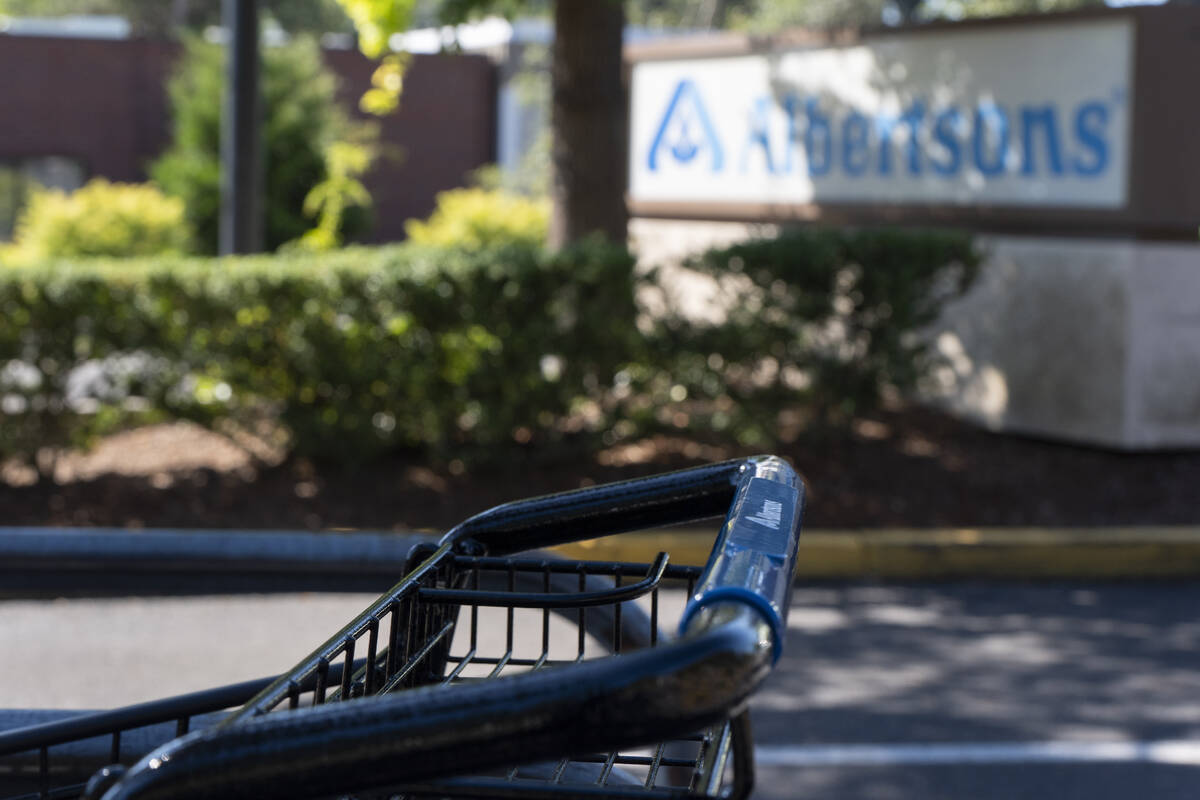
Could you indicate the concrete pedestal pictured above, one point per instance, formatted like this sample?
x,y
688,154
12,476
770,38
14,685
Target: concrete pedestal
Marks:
x,y
1088,340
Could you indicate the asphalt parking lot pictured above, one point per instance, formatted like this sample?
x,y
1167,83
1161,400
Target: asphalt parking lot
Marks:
x,y
954,690
978,690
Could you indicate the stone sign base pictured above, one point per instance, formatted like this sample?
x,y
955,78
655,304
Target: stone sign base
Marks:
x,y
1083,339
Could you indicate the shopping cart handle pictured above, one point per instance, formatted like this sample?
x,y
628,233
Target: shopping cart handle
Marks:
x,y
751,563
755,554
670,498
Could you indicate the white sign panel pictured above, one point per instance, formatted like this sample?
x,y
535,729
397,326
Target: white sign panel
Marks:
x,y
1036,115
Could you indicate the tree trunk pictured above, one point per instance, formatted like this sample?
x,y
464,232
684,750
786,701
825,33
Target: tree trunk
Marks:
x,y
588,120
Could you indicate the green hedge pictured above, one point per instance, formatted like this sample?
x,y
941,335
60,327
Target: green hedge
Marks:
x,y
823,321
355,353
458,351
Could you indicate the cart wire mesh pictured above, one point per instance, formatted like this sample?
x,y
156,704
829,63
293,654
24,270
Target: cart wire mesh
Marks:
x,y
453,620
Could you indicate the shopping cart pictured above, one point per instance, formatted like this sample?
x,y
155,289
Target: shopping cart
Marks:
x,y
459,685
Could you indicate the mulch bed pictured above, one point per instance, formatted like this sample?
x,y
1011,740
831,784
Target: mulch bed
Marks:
x,y
909,468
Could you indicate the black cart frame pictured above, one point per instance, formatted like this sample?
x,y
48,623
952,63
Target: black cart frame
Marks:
x,y
432,714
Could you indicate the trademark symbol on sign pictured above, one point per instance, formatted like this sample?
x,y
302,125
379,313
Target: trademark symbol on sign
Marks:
x,y
686,129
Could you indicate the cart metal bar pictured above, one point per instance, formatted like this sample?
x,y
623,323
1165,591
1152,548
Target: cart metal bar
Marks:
x,y
556,565
102,723
550,600
683,496
107,562
73,727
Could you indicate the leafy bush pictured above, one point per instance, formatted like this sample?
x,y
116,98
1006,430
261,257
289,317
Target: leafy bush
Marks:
x,y
100,219
301,119
463,350
822,320
482,218
355,352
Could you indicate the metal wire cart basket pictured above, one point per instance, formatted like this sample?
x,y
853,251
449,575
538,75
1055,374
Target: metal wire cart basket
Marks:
x,y
487,674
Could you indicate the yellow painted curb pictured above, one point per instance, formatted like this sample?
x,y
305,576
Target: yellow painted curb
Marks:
x,y
942,554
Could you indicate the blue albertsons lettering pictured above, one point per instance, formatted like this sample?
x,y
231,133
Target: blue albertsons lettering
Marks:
x,y
1045,120
993,139
991,123
1090,123
817,137
947,131
856,144
758,140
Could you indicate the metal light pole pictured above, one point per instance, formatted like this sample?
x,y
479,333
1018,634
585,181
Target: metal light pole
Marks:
x,y
241,164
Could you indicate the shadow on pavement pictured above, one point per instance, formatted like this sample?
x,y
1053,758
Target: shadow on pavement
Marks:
x,y
974,663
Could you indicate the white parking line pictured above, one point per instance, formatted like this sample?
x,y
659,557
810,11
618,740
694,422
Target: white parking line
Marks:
x,y
1184,752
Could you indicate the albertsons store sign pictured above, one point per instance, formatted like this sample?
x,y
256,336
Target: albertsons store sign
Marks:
x,y
1016,116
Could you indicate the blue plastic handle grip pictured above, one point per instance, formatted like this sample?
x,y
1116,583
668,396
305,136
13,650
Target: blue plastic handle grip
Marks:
x,y
755,553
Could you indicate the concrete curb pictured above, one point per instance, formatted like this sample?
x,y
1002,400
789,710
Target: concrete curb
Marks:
x,y
946,554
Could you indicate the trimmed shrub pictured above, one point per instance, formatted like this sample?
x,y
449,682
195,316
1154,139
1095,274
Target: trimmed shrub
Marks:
x,y
820,320
301,119
356,352
458,350
100,219
482,218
